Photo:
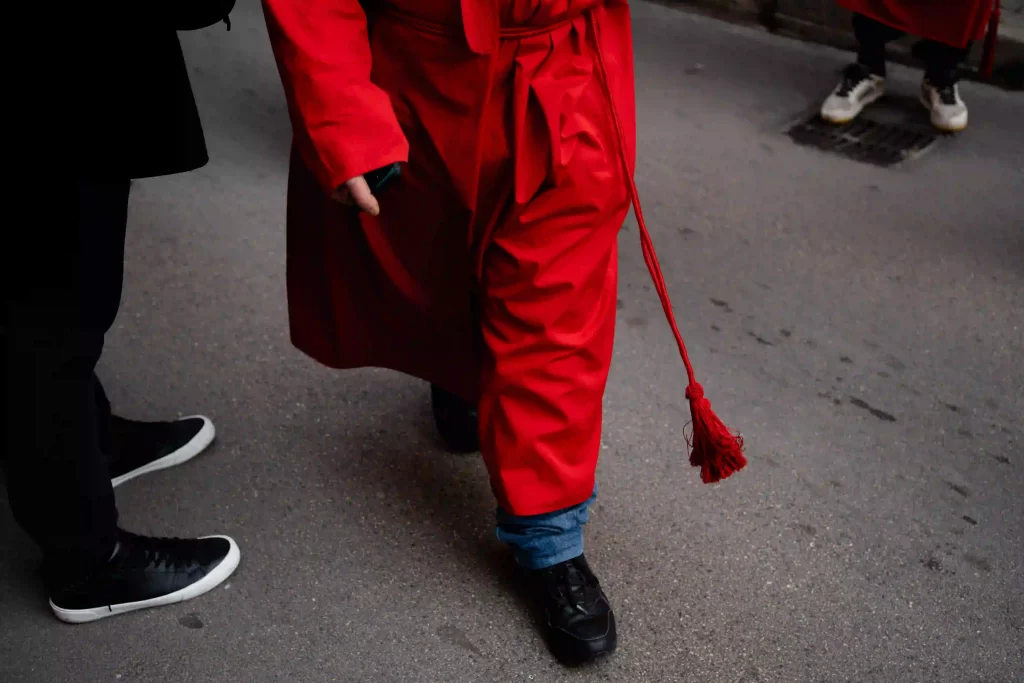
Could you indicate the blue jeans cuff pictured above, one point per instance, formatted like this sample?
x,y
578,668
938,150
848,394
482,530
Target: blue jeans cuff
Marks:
x,y
532,561
541,541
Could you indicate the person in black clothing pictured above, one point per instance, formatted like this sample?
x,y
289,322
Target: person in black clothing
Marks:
x,y
130,114
864,81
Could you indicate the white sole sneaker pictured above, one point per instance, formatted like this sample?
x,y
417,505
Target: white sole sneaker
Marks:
x,y
199,443
221,572
957,124
840,109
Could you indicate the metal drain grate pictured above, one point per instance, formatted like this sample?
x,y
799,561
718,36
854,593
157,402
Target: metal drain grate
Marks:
x,y
864,140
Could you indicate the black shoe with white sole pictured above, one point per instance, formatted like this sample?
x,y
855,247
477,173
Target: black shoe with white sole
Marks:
x,y
146,572
143,447
580,621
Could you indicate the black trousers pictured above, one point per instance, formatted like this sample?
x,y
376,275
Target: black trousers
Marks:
x,y
941,61
55,411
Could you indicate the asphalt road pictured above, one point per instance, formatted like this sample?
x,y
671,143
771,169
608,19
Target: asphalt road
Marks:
x,y
863,327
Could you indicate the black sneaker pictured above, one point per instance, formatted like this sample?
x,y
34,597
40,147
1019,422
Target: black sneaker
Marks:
x,y
144,447
581,625
146,572
457,421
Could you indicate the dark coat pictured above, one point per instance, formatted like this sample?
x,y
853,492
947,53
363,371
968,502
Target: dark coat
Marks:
x,y
134,114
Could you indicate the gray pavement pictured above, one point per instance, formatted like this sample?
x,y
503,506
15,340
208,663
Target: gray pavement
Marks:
x,y
863,327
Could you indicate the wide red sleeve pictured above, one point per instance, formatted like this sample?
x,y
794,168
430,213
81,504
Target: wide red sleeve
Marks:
x,y
344,125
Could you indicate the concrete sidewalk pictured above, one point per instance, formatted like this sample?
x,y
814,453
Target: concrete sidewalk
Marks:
x,y
861,326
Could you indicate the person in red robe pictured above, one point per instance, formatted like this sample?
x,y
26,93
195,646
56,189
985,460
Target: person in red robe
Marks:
x,y
489,268
948,28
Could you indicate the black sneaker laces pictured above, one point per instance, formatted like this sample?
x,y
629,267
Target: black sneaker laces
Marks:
x,y
161,554
853,75
947,94
570,587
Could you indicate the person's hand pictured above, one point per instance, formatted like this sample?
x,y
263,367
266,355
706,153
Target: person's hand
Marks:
x,y
356,192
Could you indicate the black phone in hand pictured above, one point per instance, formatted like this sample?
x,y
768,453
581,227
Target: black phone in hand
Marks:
x,y
379,179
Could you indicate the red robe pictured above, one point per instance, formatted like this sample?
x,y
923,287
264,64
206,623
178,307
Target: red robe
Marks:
x,y
492,267
953,22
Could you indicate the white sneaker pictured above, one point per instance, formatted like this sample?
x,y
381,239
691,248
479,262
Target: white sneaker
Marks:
x,y
949,113
858,89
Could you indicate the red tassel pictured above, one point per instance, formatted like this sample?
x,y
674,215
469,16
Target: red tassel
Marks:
x,y
716,450
988,55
